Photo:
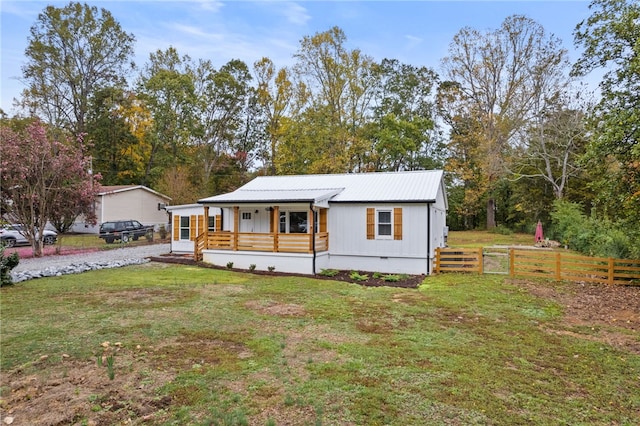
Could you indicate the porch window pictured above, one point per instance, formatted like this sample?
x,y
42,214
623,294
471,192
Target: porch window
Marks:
x,y
293,222
185,232
246,215
211,223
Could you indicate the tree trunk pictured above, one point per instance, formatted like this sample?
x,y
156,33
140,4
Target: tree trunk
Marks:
x,y
491,213
37,248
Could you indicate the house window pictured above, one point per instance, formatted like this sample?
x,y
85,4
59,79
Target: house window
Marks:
x,y
246,215
293,222
184,228
384,223
211,224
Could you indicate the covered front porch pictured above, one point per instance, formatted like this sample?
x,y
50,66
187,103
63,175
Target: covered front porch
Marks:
x,y
292,228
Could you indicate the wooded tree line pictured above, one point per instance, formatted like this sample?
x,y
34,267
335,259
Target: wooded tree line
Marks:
x,y
506,117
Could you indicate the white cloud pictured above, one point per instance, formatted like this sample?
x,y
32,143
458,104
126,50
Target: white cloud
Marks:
x,y
295,13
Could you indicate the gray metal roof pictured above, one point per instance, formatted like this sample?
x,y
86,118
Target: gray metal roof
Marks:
x,y
414,186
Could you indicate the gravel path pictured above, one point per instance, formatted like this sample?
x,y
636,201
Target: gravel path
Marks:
x,y
76,263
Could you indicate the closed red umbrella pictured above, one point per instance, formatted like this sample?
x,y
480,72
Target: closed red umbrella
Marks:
x,y
539,233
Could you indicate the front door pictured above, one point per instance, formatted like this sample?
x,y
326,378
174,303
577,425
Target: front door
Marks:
x,y
246,221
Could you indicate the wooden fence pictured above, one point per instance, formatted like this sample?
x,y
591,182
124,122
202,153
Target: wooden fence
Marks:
x,y
545,264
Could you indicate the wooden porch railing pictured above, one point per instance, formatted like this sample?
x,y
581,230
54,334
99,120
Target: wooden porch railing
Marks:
x,y
243,241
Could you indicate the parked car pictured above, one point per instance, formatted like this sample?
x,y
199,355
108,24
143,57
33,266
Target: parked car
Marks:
x,y
11,235
123,230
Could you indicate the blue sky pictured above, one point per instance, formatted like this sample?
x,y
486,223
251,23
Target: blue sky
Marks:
x,y
414,32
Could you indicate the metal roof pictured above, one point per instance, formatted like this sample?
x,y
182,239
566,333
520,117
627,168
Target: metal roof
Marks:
x,y
413,186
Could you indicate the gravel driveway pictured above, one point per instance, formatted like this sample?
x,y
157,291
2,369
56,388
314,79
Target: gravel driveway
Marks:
x,y
75,263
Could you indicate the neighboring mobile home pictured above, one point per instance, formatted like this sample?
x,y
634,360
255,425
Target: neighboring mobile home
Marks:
x,y
379,222
121,202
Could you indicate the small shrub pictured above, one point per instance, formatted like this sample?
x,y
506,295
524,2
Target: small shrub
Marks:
x,y
271,268
355,275
252,267
329,272
162,231
229,265
377,275
391,278
7,263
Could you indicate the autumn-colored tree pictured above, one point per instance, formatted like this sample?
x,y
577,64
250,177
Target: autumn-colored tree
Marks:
x,y
44,179
275,94
341,84
167,90
112,140
501,74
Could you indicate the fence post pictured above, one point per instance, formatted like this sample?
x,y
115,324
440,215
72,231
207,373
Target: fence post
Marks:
x,y
437,271
480,261
558,267
512,262
611,271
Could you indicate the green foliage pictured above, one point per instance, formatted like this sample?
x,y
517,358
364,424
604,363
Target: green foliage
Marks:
x,y
329,272
229,265
593,235
501,230
611,41
73,52
355,275
271,268
7,263
252,267
391,278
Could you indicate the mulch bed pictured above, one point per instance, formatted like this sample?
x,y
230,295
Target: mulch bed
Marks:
x,y
406,281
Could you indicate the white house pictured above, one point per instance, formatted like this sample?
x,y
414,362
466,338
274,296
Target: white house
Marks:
x,y
187,222
127,202
379,222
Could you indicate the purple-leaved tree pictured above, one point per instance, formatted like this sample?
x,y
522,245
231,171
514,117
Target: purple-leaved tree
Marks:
x,y
44,179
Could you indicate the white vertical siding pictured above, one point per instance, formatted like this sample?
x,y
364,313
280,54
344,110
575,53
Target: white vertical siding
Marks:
x,y
348,231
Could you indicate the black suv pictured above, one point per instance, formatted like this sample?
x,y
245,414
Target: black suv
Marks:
x,y
123,230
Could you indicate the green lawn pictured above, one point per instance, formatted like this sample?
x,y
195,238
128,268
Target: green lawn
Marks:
x,y
230,348
470,239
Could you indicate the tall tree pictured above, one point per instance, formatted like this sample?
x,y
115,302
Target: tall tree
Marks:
x,y
167,89
73,52
44,179
553,144
112,137
223,98
275,95
502,74
402,129
611,41
341,83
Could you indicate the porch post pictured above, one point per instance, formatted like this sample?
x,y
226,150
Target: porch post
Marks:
x,y
236,226
276,227
311,224
206,227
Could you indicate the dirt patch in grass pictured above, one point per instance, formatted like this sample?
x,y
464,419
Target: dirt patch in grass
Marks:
x,y
68,391
610,313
